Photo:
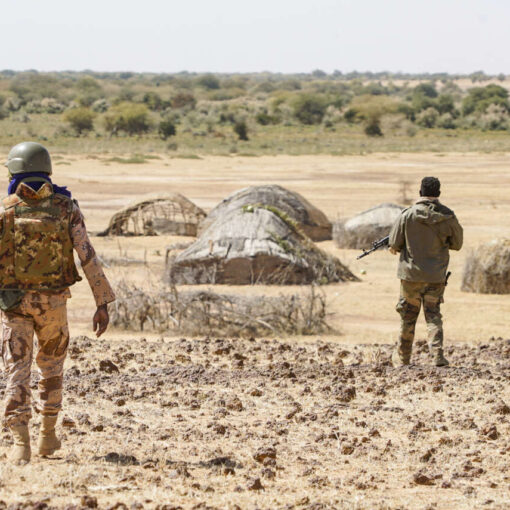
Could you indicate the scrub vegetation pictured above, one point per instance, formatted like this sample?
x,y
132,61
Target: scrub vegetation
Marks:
x,y
264,113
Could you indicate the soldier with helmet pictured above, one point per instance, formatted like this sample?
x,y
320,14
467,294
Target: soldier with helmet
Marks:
x,y
40,226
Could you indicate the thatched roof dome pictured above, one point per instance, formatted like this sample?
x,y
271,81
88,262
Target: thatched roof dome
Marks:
x,y
487,269
361,230
255,245
312,221
170,213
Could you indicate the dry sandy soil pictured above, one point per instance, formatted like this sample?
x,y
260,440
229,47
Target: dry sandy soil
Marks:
x,y
289,422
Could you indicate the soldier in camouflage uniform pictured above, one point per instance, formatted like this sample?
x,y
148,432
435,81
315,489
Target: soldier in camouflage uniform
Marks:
x,y
40,225
423,235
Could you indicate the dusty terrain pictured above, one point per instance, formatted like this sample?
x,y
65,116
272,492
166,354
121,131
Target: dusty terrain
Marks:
x,y
152,420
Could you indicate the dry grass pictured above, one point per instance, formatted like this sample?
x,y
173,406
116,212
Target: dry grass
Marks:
x,y
205,312
487,269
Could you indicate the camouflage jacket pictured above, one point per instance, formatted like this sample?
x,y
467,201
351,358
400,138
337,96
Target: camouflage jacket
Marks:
x,y
78,239
423,234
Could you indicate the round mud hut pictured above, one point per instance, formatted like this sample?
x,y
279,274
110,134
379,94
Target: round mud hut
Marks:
x,y
155,215
360,231
312,221
255,244
487,269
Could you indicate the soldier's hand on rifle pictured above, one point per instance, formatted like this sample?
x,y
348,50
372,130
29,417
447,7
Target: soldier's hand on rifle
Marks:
x,y
393,251
100,320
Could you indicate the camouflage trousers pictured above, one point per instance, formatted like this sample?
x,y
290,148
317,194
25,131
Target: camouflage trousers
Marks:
x,y
45,315
412,296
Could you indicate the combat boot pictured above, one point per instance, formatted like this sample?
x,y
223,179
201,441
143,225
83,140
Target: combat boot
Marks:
x,y
398,360
20,453
440,360
49,443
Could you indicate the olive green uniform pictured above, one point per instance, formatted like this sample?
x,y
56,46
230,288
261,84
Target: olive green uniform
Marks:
x,y
423,234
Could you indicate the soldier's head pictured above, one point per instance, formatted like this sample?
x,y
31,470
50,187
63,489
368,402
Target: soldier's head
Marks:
x,y
430,187
28,157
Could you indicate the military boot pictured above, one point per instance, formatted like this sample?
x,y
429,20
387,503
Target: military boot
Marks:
x,y
20,453
49,443
402,353
439,359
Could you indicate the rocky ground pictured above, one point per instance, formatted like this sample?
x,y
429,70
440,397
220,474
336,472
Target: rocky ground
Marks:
x,y
235,424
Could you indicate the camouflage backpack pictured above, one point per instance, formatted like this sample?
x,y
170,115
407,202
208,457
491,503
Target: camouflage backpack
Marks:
x,y
36,249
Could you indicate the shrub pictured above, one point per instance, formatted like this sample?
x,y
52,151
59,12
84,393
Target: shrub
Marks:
x,y
446,121
153,101
373,127
209,82
370,109
183,100
309,109
80,119
496,118
264,119
166,129
427,118
131,118
480,98
241,130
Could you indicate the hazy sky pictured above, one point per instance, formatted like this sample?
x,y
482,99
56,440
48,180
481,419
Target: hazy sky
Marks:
x,y
456,36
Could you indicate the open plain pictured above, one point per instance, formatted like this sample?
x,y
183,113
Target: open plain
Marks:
x,y
154,420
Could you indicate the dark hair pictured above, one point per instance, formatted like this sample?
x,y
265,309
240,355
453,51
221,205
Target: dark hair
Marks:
x,y
430,187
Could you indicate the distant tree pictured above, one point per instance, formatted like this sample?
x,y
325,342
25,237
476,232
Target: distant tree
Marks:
x,y
427,118
309,109
319,73
241,130
370,110
80,119
480,98
153,101
166,129
209,82
183,100
131,118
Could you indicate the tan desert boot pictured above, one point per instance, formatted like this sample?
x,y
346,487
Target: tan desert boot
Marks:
x,y
397,360
20,453
49,443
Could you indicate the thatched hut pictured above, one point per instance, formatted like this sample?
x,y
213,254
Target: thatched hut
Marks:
x,y
171,213
487,269
361,230
255,244
312,221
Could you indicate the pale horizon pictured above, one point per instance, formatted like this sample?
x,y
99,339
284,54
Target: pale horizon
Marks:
x,y
288,37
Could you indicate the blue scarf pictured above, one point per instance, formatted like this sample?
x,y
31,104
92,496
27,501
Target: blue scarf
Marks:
x,y
35,185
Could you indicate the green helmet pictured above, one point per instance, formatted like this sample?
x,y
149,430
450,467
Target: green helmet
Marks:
x,y
28,157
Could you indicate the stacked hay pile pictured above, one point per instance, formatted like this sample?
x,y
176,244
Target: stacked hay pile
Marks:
x,y
255,244
362,230
312,221
171,213
487,269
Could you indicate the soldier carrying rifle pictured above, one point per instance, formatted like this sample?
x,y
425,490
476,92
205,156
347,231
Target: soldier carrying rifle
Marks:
x,y
423,235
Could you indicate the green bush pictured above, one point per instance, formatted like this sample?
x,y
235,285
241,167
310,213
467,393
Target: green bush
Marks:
x,y
80,119
309,109
427,118
131,118
209,82
183,100
241,130
480,98
264,119
166,129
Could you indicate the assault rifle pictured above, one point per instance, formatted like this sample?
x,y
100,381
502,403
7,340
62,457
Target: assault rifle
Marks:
x,y
380,243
